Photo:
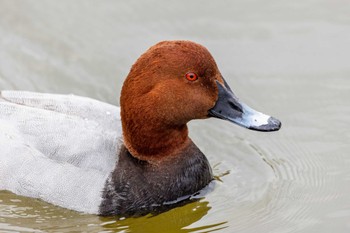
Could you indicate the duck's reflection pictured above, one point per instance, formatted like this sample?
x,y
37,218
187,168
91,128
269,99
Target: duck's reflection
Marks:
x,y
178,219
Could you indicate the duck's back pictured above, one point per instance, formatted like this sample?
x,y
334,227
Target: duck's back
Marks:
x,y
60,148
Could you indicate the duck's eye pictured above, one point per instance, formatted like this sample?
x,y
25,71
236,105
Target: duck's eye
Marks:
x,y
191,76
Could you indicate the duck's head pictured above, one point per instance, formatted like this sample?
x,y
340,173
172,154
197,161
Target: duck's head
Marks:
x,y
172,83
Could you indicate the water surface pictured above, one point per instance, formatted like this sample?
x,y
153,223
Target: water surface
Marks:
x,y
287,59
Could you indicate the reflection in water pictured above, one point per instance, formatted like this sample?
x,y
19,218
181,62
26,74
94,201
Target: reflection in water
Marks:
x,y
24,212
176,220
289,59
35,215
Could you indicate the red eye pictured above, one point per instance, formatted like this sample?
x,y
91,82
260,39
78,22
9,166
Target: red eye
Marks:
x,y
191,76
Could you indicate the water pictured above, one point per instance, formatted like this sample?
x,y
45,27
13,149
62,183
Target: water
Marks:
x,y
287,59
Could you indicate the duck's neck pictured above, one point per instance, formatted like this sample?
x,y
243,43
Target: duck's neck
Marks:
x,y
154,141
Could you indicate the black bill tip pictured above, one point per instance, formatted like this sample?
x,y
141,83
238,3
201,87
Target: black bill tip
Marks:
x,y
273,124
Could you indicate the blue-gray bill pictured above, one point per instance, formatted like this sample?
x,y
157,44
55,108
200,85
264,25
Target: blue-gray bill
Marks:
x,y
228,107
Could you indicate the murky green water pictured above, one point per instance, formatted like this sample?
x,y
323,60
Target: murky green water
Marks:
x,y
289,59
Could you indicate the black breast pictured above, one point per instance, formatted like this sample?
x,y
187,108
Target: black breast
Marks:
x,y
137,187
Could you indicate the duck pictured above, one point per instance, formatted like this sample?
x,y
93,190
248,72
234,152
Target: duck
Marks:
x,y
93,157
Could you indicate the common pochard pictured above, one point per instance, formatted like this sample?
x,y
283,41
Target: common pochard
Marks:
x,y
93,157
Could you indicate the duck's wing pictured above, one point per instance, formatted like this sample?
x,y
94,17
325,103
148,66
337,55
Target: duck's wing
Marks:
x,y
106,115
83,132
26,171
60,148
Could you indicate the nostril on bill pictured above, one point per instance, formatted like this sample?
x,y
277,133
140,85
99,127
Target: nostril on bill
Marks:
x,y
235,106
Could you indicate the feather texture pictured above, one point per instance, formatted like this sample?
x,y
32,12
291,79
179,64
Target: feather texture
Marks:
x,y
60,148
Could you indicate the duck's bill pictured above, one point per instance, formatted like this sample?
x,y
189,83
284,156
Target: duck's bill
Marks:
x,y
228,107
